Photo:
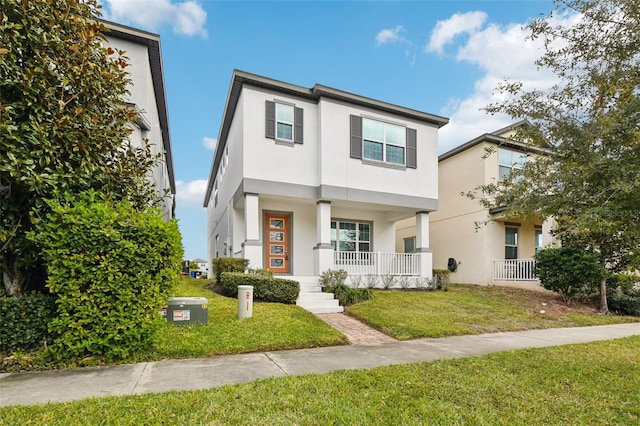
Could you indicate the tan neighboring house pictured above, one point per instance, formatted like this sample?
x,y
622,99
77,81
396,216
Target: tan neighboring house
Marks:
x,y
147,96
499,252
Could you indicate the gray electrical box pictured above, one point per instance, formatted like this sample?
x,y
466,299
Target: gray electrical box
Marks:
x,y
187,310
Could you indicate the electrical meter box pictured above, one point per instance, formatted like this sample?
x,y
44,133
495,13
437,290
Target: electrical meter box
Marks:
x,y
187,310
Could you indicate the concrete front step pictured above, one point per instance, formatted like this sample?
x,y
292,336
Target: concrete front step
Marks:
x,y
319,303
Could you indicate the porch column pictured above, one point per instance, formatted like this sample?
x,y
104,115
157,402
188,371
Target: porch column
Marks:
x,y
422,244
323,252
252,247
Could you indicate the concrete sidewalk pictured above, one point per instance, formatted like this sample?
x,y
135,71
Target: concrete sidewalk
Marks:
x,y
203,373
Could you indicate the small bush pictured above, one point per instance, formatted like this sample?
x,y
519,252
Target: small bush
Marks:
x,y
348,295
441,279
330,278
265,288
371,281
388,281
111,268
623,294
569,271
228,264
24,321
356,280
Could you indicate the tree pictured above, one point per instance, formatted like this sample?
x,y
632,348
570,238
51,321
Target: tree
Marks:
x,y
62,121
589,124
193,266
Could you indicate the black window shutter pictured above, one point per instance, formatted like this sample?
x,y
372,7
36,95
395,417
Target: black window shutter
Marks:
x,y
297,128
356,136
270,122
412,149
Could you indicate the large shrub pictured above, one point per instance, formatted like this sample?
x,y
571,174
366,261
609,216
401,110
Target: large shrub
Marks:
x,y
228,264
265,288
111,268
24,321
623,294
569,271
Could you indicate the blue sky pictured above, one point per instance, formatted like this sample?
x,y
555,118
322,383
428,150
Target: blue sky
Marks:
x,y
441,57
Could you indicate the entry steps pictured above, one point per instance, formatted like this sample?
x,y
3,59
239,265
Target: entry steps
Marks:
x,y
313,299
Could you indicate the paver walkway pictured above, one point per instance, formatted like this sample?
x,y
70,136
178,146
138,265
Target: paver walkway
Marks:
x,y
357,332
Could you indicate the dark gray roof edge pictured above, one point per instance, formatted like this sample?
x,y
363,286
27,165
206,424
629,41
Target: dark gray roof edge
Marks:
x,y
315,93
152,41
498,140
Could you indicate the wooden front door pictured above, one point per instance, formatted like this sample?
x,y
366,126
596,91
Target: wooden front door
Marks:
x,y
277,242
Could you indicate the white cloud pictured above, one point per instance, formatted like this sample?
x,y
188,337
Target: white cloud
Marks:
x,y
187,17
209,143
500,52
190,194
390,36
446,31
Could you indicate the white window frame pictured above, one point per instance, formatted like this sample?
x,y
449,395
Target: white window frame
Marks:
x,y
335,243
512,164
384,141
291,124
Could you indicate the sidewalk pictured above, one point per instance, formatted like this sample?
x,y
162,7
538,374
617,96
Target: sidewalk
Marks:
x,y
67,385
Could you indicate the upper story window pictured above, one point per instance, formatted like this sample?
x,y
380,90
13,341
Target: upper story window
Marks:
x,y
284,122
383,141
509,160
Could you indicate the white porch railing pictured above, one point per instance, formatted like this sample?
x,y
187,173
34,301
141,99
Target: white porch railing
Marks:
x,y
377,263
514,270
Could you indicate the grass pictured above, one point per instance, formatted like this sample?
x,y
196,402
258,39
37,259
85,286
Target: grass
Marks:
x,y
470,310
273,326
594,383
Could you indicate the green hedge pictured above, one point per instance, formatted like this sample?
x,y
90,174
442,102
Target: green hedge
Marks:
x,y
571,272
228,264
265,288
111,268
24,321
348,295
623,294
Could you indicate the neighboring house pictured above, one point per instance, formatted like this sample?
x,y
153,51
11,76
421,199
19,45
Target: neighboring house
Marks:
x,y
487,248
147,96
310,179
202,266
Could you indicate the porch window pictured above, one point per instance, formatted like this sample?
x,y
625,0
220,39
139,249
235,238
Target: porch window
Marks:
x,y
538,239
510,243
509,160
351,236
409,244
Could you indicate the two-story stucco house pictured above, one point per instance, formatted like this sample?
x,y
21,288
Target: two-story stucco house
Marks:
x,y
310,179
147,96
487,247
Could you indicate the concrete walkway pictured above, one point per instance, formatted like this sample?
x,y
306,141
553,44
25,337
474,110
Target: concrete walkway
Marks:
x,y
66,385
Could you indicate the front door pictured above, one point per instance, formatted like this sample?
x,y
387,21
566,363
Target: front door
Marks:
x,y
277,247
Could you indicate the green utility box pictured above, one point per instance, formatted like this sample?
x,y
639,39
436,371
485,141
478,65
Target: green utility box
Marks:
x,y
187,310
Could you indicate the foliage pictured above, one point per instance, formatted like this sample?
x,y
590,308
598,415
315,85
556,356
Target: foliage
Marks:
x,y
441,279
371,281
265,288
63,123
587,128
193,266
569,271
24,321
623,294
111,268
228,264
331,278
388,281
349,295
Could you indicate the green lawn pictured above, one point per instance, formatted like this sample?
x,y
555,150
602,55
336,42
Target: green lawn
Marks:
x,y
595,384
466,309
